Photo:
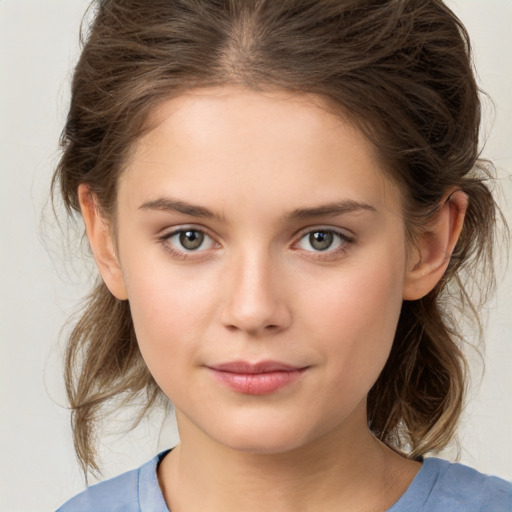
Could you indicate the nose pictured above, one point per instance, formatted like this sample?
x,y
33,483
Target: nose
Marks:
x,y
254,298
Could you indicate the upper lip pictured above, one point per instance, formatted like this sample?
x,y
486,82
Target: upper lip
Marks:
x,y
245,367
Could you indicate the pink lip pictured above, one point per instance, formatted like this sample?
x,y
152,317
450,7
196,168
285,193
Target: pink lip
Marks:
x,y
256,378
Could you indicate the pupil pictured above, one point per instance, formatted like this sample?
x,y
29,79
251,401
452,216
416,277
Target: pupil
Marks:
x,y
321,240
191,239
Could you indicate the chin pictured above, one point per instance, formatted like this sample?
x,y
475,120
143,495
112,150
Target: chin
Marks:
x,y
265,438
263,446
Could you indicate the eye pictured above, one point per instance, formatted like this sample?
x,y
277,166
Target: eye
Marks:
x,y
188,240
323,240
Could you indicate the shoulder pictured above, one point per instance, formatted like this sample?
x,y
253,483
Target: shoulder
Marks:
x,y
127,492
116,494
441,486
461,484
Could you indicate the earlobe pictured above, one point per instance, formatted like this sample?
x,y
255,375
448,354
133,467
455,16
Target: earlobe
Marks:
x,y
102,243
430,257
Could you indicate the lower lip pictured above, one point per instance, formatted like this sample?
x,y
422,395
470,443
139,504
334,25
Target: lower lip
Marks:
x,y
258,383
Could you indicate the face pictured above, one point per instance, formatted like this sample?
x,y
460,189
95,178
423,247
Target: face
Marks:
x,y
263,254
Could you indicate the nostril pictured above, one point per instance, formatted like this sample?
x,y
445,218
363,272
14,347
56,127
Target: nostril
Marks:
x,y
271,327
253,306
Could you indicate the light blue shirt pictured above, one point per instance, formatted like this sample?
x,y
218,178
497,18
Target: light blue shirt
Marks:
x,y
439,486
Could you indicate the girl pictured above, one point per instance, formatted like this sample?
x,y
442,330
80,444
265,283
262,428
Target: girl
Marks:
x,y
284,200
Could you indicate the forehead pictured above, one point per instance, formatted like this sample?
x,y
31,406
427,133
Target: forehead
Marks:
x,y
272,146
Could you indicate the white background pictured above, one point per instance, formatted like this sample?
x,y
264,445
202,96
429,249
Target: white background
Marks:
x,y
38,46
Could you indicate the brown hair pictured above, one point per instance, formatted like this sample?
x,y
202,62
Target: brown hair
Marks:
x,y
399,69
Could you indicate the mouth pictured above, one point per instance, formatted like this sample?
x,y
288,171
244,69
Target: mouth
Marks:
x,y
261,378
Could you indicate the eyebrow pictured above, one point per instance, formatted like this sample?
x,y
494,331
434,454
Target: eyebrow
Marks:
x,y
330,209
325,210
174,205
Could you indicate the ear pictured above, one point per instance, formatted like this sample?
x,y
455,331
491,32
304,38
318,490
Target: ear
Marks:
x,y
429,258
102,244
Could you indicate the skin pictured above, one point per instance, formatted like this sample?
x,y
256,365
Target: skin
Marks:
x,y
270,169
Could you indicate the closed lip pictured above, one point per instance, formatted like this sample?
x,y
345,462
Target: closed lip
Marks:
x,y
247,368
261,378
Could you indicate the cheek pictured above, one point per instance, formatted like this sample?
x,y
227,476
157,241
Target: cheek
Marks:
x,y
355,318
362,296
170,309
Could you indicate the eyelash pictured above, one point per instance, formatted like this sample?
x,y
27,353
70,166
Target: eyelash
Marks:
x,y
182,254
344,241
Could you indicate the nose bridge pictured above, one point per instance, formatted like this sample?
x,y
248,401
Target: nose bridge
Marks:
x,y
255,301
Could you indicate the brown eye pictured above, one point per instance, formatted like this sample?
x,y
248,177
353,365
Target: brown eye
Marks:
x,y
191,239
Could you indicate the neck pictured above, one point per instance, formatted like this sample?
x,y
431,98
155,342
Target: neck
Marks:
x,y
348,467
